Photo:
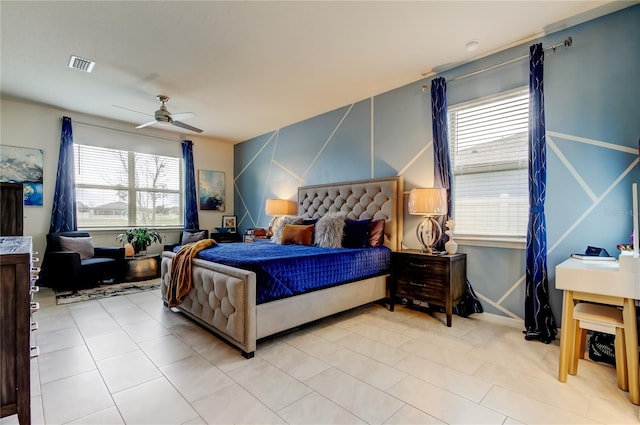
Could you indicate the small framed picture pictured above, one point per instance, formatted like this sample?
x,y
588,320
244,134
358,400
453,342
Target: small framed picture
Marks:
x,y
229,221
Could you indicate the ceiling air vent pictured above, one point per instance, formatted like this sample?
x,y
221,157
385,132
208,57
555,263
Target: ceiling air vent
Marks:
x,y
81,64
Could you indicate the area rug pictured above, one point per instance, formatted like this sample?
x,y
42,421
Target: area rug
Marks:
x,y
107,290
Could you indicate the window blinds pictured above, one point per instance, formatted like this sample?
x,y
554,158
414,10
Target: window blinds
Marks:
x,y
489,158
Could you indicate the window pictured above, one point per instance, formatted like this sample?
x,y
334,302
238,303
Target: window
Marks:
x,y
489,157
116,188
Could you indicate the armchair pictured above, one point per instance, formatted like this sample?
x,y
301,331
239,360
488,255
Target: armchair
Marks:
x,y
72,262
186,236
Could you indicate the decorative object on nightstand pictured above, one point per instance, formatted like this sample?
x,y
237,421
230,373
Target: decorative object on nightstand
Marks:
x,y
229,222
429,203
278,208
450,246
435,279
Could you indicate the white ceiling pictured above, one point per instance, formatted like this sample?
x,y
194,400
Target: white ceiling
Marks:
x,y
247,68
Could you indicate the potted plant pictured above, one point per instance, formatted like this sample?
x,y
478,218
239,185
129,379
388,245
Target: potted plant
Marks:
x,y
140,238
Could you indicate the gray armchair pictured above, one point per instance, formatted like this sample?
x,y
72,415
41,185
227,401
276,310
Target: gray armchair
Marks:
x,y
65,269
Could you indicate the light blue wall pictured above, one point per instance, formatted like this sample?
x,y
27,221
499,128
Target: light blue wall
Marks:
x,y
592,106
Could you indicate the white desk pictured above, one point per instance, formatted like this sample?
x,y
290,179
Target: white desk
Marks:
x,y
601,282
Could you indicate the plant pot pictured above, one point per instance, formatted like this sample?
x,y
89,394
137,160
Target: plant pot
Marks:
x,y
140,249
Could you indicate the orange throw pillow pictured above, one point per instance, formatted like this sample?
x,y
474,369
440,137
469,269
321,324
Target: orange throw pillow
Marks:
x,y
297,234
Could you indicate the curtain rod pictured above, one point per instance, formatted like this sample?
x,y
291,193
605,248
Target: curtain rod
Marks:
x,y
566,43
127,131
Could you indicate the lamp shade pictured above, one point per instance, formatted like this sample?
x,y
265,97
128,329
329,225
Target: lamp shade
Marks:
x,y
280,207
428,202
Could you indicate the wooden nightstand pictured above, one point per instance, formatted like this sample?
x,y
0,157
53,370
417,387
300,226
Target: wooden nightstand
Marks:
x,y
435,279
226,237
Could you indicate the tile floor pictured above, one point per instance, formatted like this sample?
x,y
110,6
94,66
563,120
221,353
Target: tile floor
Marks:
x,y
129,360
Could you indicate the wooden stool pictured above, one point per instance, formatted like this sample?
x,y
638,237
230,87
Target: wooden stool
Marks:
x,y
600,318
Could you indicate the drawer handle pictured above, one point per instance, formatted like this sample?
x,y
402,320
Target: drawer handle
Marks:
x,y
421,285
34,351
34,326
35,288
424,266
35,306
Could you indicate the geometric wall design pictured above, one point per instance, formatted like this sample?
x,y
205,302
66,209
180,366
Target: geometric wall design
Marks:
x,y
592,99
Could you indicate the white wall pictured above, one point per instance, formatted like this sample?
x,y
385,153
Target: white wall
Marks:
x,y
31,125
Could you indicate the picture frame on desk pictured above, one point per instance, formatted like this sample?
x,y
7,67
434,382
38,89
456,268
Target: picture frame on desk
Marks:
x,y
229,221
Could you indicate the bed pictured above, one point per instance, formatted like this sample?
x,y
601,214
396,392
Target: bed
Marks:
x,y
223,298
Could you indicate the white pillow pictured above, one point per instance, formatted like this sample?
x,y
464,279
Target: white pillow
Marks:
x,y
278,227
329,229
81,245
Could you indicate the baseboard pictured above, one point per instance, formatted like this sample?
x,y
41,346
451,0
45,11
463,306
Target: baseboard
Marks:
x,y
499,320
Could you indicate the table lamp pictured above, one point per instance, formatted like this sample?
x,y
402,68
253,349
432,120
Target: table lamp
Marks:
x,y
277,208
429,203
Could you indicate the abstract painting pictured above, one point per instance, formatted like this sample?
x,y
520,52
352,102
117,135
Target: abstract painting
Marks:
x,y
211,190
23,165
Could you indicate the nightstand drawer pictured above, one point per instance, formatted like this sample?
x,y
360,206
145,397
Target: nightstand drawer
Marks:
x,y
420,289
418,268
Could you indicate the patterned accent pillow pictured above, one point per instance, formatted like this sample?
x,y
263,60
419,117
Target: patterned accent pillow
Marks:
x,y
329,229
297,234
278,227
81,245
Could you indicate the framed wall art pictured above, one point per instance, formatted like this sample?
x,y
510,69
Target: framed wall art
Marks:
x,y
23,165
229,221
211,190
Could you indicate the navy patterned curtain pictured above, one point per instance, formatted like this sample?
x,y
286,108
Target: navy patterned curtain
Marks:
x,y
190,197
440,127
442,177
63,213
538,320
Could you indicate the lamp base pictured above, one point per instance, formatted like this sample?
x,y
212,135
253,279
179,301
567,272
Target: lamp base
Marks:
x,y
429,233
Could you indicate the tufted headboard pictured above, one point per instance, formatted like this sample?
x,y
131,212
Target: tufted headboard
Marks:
x,y
361,199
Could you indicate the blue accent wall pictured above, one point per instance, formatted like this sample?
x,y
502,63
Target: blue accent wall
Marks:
x,y
592,105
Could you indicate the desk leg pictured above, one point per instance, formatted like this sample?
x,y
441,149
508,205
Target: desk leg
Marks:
x,y
631,339
566,336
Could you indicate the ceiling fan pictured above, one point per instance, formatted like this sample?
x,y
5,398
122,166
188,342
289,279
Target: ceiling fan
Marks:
x,y
163,116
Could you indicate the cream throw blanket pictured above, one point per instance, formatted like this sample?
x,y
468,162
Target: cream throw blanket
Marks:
x,y
180,279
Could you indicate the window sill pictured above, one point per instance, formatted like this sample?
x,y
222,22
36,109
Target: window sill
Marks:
x,y
99,230
493,242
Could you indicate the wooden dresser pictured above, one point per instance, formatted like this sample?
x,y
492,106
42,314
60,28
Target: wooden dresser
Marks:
x,y
15,326
435,279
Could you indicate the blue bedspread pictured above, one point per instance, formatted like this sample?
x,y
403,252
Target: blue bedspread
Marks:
x,y
286,270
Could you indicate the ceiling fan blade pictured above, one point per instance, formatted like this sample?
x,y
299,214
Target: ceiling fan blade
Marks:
x,y
146,124
132,110
182,116
186,126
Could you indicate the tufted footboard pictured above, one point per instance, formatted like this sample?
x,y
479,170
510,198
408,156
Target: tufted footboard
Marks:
x,y
223,299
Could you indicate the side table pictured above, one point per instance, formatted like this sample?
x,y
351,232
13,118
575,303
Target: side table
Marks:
x,y
436,279
226,237
142,267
